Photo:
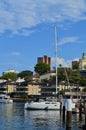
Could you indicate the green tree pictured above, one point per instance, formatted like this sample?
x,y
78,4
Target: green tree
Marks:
x,y
64,74
42,68
75,77
82,81
10,75
27,75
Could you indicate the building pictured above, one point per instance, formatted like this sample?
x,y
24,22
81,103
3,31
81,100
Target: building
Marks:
x,y
6,87
83,73
82,62
47,76
44,59
75,64
10,71
34,89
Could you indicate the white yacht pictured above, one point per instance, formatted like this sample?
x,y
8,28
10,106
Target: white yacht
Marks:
x,y
45,105
5,98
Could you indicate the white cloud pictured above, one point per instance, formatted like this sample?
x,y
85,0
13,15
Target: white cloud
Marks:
x,y
10,64
19,15
76,59
68,40
60,61
15,53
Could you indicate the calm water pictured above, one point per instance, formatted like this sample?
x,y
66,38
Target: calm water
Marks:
x,y
14,117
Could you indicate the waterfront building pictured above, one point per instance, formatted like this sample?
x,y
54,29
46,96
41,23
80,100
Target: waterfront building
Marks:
x,y
6,87
34,89
29,89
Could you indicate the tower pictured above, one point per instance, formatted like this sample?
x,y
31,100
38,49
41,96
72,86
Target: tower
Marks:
x,y
45,59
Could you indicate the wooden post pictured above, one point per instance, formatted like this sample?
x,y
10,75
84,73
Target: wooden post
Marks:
x,y
60,107
64,104
80,112
84,126
69,114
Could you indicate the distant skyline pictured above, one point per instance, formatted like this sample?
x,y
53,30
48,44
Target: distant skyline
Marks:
x,y
27,32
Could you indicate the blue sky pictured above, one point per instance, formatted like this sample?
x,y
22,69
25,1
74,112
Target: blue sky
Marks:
x,y
27,32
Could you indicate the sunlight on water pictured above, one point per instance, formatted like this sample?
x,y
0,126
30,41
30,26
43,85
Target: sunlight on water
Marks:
x,y
14,117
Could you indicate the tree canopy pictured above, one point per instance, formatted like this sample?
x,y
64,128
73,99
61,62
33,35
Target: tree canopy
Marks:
x,y
9,76
27,75
42,68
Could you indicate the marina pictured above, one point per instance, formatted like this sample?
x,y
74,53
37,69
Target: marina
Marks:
x,y
14,117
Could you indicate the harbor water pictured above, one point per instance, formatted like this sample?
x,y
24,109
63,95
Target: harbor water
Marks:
x,y
14,117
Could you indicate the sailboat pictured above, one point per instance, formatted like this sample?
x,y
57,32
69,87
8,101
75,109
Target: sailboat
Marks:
x,y
45,105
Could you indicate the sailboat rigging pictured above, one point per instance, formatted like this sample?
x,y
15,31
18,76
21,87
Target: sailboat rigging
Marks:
x,y
56,56
46,105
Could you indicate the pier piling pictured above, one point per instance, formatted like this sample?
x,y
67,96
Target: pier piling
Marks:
x,y
69,114
84,126
64,104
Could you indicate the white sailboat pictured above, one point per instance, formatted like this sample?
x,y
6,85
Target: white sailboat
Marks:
x,y
45,105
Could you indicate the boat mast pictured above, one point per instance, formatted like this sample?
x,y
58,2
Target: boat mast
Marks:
x,y
56,56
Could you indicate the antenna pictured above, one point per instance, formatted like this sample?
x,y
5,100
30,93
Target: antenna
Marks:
x,y
56,55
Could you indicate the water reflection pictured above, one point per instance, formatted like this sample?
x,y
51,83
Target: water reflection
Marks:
x,y
14,117
44,119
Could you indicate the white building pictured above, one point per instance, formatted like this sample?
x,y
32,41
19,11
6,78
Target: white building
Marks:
x,y
46,76
10,70
82,62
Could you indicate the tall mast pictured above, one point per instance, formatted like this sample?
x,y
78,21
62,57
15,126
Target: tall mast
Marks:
x,y
56,56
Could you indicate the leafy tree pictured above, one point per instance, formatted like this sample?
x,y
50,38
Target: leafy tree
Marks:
x,y
27,75
10,75
42,68
82,82
75,77
64,74
75,66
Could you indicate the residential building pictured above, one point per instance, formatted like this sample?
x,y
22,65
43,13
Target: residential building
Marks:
x,y
34,89
44,59
47,76
27,88
6,87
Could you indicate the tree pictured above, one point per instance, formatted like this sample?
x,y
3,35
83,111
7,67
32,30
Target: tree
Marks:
x,y
42,68
10,75
75,77
64,74
82,81
27,75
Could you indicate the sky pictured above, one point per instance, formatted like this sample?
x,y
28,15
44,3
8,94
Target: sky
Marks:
x,y
27,32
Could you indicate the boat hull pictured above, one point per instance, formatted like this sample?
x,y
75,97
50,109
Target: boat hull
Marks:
x,y
5,99
42,106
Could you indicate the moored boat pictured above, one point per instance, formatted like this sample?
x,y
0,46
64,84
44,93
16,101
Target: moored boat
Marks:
x,y
46,105
5,98
43,105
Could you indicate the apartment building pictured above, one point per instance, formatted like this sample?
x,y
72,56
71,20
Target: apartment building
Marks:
x,y
44,59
